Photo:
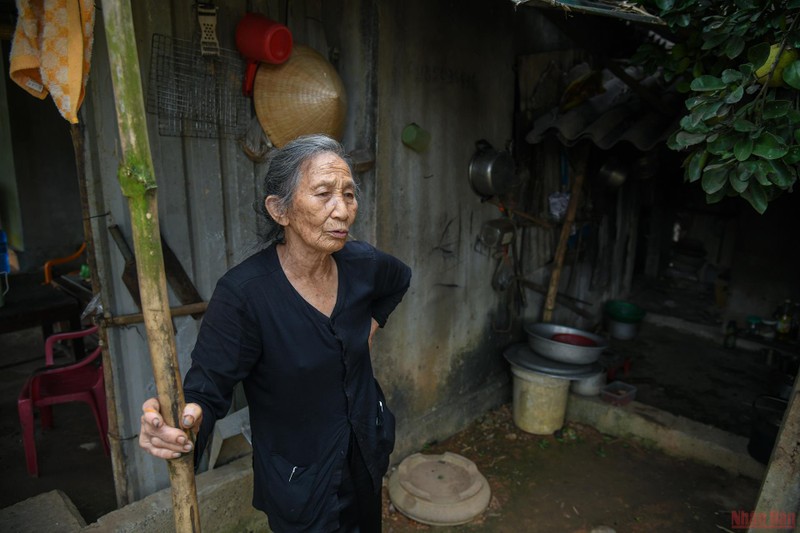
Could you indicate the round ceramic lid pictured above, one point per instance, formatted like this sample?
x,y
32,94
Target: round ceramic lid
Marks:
x,y
442,490
522,356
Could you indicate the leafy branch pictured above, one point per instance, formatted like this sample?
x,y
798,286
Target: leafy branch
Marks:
x,y
738,65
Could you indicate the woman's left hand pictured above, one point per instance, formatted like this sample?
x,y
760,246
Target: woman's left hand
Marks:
x,y
372,331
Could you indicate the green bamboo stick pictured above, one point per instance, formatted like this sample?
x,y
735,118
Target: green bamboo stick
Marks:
x,y
137,180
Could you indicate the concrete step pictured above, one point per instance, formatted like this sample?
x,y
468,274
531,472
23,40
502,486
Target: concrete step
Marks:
x,y
51,511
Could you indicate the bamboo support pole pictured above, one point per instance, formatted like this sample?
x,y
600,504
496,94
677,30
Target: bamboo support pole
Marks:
x,y
561,249
117,457
137,180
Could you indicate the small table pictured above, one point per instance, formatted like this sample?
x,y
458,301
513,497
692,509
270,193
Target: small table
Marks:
x,y
28,304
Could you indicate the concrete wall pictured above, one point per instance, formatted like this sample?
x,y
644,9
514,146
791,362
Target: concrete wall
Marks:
x,y
448,67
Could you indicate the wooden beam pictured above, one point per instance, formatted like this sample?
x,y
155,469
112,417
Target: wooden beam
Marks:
x,y
780,489
136,318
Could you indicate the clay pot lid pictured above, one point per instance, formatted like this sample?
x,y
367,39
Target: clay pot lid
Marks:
x,y
442,489
301,96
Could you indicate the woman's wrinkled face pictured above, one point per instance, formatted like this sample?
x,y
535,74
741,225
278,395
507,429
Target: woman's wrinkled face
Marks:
x,y
324,205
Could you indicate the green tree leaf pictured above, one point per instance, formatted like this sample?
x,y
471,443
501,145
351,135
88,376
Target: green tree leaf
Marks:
x,y
684,139
743,148
757,196
730,76
736,184
714,178
722,144
793,157
762,171
781,175
769,146
734,47
695,101
717,196
735,95
758,54
776,108
707,83
743,172
712,40
665,5
695,167
743,125
791,74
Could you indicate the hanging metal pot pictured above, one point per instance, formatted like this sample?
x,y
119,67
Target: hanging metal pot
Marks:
x,y
491,172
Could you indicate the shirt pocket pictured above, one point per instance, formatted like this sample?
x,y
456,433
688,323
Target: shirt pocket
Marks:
x,y
385,429
290,486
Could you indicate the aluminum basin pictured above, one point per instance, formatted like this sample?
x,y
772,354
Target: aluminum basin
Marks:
x,y
541,341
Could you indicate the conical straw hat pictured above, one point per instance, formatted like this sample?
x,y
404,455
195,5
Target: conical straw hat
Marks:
x,y
300,96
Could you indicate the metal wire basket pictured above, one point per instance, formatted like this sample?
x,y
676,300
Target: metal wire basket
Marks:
x,y
195,95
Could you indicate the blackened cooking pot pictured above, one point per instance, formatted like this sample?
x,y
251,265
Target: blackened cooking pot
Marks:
x,y
491,172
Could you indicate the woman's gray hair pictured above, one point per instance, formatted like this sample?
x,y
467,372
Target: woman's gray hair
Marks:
x,y
284,173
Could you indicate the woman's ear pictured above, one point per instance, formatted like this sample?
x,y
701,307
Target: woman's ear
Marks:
x,y
273,206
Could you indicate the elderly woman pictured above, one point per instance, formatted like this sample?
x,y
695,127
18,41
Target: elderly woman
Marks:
x,y
294,324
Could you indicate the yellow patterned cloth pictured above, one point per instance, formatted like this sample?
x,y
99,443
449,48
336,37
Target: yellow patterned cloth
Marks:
x,y
52,50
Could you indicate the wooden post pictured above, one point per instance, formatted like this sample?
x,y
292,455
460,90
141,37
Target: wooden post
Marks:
x,y
117,457
780,490
581,160
137,180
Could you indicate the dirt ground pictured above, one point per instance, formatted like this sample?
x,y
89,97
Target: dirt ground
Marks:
x,y
579,479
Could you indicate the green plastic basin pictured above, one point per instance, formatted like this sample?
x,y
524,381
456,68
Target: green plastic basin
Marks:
x,y
623,311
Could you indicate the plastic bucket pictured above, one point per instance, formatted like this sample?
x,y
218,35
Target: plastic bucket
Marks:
x,y
623,318
540,402
623,331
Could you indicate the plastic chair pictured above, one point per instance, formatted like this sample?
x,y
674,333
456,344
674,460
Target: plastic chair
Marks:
x,y
48,266
54,384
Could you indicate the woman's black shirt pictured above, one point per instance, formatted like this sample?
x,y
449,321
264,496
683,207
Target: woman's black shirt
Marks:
x,y
307,377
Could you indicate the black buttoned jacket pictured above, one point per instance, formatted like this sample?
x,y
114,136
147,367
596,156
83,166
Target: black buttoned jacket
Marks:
x,y
307,377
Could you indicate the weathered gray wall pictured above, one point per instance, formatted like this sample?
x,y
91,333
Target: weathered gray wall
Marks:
x,y
447,66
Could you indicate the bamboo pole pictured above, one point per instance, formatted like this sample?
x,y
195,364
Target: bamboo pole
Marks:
x,y
561,249
112,431
137,180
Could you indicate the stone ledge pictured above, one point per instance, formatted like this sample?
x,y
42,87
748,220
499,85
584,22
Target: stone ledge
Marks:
x,y
674,435
50,511
225,497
